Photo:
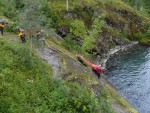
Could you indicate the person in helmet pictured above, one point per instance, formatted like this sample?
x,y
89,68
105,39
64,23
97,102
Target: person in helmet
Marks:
x,y
2,25
97,69
21,34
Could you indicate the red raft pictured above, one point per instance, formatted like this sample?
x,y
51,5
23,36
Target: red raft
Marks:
x,y
96,68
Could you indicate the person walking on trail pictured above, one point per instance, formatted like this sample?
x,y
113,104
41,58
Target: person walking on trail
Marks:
x,y
30,31
97,69
2,25
21,34
40,37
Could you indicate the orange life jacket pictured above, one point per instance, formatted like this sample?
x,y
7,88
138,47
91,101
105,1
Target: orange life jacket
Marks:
x,y
19,30
2,26
21,35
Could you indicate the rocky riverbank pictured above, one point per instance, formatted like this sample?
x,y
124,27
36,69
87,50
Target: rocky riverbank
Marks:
x,y
105,57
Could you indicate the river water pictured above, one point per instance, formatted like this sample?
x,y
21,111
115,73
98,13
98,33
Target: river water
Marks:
x,y
129,72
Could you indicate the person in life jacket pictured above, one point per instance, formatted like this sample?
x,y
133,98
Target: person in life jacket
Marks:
x,y
30,31
21,34
40,37
97,69
2,25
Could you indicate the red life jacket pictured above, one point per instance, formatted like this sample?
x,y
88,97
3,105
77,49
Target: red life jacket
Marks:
x,y
97,68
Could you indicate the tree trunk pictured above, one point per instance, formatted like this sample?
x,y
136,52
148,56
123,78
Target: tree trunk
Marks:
x,y
67,5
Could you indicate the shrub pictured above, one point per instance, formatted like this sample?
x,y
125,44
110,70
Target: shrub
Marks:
x,y
78,29
27,85
11,27
10,10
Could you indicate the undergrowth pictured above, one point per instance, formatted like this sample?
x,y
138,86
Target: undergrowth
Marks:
x,y
27,85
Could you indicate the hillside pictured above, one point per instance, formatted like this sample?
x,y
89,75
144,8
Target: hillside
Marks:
x,y
58,82
88,27
27,84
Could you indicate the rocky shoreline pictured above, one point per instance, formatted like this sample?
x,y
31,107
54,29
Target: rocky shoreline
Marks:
x,y
104,58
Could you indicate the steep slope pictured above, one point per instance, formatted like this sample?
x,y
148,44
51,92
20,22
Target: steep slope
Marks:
x,y
71,70
106,23
89,27
26,81
27,85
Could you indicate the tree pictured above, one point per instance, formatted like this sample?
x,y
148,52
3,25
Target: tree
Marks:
x,y
67,5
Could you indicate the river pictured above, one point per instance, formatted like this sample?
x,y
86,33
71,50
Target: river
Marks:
x,y
129,72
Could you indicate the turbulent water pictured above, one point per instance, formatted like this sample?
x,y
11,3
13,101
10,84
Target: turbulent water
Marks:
x,y
129,71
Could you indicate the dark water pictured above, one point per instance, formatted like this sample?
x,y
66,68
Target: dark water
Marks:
x,y
129,71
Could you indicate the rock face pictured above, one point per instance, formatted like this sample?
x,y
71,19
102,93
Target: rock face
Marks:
x,y
120,28
62,31
66,65
51,57
121,25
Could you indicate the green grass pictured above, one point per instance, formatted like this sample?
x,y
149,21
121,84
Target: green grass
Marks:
x,y
117,99
145,41
27,85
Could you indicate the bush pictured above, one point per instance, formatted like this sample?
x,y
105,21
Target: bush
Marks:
x,y
148,33
27,85
78,29
70,44
11,27
10,10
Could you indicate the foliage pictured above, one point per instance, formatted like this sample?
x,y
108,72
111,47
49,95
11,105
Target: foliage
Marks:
x,y
11,27
82,40
26,82
71,44
145,36
97,25
78,29
34,15
27,85
144,41
10,10
104,97
141,5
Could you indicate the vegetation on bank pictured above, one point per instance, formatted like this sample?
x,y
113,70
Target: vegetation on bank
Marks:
x,y
88,27
72,72
27,85
141,5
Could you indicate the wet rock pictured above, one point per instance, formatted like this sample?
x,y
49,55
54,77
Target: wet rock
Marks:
x,y
122,12
51,57
62,31
58,37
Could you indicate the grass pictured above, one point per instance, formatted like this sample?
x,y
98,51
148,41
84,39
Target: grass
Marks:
x,y
27,85
145,41
26,82
117,99
61,49
21,78
108,96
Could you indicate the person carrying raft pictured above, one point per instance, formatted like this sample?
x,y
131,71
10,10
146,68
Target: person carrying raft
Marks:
x,y
97,69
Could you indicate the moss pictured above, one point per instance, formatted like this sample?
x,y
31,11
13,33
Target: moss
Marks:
x,y
117,99
60,49
145,41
